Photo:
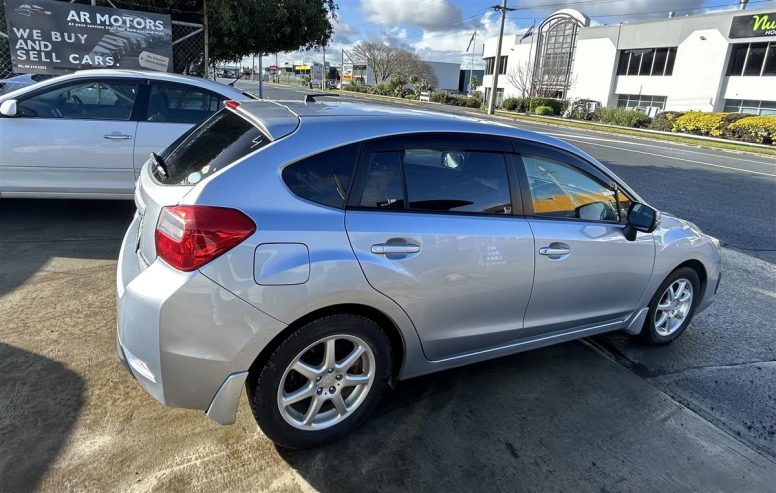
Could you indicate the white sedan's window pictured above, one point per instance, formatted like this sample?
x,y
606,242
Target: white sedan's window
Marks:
x,y
95,100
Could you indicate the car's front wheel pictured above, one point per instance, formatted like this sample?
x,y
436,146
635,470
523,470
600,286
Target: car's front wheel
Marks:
x,y
672,307
321,381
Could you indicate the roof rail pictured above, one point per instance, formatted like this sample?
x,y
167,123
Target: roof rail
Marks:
x,y
310,98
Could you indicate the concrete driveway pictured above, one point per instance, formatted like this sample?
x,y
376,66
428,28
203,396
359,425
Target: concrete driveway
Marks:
x,y
567,418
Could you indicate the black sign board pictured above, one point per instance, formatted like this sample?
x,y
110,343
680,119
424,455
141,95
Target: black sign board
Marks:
x,y
56,38
753,26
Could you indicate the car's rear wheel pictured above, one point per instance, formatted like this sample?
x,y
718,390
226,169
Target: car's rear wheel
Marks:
x,y
321,381
672,307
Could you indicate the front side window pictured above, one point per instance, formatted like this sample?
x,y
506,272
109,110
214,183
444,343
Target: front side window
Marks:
x,y
176,103
323,178
437,180
95,100
564,191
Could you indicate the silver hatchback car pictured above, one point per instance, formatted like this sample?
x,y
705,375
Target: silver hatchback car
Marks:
x,y
316,252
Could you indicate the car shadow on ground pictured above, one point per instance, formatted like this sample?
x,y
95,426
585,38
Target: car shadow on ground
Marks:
x,y
35,231
37,414
556,419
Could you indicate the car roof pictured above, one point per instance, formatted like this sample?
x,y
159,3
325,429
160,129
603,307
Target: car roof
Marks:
x,y
271,115
223,89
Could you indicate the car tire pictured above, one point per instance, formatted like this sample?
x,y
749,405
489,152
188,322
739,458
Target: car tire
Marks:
x,y
305,345
658,331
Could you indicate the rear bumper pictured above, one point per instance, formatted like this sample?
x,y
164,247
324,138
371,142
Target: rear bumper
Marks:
x,y
182,336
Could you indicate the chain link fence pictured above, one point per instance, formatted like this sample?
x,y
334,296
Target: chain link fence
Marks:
x,y
6,68
188,48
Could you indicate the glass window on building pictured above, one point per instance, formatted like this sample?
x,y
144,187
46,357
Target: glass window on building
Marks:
x,y
499,96
641,101
490,62
555,53
647,61
751,107
752,59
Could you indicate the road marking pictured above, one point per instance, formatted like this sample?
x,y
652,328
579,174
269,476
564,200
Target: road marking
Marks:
x,y
571,136
675,158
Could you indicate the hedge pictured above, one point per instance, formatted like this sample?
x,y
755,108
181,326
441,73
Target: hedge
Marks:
x,y
665,121
524,105
622,116
756,129
544,110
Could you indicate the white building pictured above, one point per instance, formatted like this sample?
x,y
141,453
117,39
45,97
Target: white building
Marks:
x,y
724,61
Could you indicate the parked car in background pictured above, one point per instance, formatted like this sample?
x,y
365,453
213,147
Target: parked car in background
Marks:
x,y
19,81
86,135
312,253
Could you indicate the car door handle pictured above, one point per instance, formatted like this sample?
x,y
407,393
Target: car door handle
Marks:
x,y
554,252
117,137
387,249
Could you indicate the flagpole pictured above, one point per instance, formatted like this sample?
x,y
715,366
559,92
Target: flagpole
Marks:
x,y
530,67
471,70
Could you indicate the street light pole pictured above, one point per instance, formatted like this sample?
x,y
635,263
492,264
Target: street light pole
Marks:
x,y
494,86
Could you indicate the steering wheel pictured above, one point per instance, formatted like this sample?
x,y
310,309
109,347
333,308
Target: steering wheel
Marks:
x,y
79,105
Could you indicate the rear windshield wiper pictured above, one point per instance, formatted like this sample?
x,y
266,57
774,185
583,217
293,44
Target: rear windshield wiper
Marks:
x,y
159,165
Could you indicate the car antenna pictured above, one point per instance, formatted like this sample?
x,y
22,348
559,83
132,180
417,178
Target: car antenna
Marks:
x,y
310,98
239,76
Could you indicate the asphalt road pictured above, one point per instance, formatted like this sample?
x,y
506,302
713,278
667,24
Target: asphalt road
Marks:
x,y
604,414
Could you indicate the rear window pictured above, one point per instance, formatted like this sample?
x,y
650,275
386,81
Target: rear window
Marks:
x,y
206,148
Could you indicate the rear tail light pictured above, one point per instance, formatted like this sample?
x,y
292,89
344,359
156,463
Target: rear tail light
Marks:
x,y
189,236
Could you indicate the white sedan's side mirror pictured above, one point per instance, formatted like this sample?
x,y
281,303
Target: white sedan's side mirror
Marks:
x,y
8,108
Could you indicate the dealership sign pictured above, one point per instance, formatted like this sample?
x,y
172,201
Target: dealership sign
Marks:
x,y
48,37
751,26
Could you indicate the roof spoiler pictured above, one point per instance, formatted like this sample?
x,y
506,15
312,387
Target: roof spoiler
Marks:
x,y
310,98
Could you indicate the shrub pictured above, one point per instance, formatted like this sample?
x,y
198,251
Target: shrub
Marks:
x,y
578,109
355,88
622,116
555,104
439,97
665,120
728,120
513,104
544,110
757,129
699,123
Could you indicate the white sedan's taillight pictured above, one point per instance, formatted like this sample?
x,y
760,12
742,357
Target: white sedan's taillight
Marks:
x,y
189,236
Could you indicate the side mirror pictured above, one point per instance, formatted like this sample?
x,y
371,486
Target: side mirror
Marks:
x,y
8,108
641,217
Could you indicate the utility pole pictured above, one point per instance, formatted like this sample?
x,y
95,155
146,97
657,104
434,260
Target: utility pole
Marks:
x,y
323,72
261,77
471,69
492,101
205,33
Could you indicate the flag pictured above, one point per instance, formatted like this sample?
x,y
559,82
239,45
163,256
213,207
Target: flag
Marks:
x,y
529,32
470,42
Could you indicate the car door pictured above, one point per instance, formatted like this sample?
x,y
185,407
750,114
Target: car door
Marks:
x,y
170,110
587,272
74,138
433,224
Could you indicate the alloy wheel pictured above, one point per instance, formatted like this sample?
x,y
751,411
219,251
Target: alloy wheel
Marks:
x,y
326,382
674,306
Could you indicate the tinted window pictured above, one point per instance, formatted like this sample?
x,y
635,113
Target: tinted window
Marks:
x,y
180,104
646,63
103,100
324,178
754,63
383,188
460,181
208,147
670,61
437,180
561,190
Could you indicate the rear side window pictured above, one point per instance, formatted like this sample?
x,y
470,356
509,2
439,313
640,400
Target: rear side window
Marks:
x,y
323,178
437,180
177,103
208,147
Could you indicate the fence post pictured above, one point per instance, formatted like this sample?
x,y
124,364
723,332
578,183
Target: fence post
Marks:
x,y
207,40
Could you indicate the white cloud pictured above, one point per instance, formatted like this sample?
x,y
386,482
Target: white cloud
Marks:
x,y
428,14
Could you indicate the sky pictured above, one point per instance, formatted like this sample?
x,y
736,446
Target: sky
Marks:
x,y
439,30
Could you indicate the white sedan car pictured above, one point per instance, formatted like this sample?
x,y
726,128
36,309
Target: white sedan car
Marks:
x,y
86,135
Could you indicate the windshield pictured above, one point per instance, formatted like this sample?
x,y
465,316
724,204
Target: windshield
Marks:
x,y
206,148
